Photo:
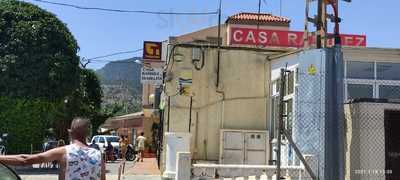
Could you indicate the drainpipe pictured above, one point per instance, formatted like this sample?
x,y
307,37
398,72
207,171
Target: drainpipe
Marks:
x,y
219,41
222,122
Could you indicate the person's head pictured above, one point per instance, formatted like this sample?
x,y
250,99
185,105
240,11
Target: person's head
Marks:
x,y
79,128
142,133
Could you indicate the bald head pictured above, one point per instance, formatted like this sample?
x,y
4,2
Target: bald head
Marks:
x,y
79,128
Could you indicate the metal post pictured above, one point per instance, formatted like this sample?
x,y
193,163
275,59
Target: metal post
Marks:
x,y
338,92
300,156
305,36
321,24
280,122
169,112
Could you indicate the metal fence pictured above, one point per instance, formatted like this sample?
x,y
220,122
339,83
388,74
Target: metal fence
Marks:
x,y
354,138
372,141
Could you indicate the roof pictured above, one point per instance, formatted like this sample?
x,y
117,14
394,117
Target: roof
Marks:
x,y
254,18
374,100
134,119
129,116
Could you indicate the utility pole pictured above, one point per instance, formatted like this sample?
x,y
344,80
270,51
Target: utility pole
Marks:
x,y
321,24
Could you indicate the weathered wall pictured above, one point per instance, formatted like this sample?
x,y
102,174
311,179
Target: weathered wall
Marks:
x,y
241,102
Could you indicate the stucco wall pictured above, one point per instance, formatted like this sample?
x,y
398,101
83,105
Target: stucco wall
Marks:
x,y
241,102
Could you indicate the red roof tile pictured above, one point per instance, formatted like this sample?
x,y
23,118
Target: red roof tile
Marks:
x,y
254,17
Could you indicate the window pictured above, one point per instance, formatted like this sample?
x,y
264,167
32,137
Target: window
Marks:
x,y
389,92
275,88
112,139
289,83
101,140
388,71
289,119
278,85
360,70
355,91
274,115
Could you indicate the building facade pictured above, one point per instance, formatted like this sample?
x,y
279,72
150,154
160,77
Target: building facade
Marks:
x,y
239,90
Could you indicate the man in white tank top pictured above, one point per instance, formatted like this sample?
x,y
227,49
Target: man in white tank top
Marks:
x,y
77,161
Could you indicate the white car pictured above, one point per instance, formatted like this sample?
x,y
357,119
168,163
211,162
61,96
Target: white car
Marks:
x,y
103,140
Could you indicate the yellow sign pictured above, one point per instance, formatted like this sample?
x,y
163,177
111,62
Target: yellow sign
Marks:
x,y
152,50
312,70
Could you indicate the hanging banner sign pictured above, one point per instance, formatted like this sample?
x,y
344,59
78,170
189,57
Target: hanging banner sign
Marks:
x,y
151,76
277,38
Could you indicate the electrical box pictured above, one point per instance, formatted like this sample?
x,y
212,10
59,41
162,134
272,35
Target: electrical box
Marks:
x,y
176,142
244,147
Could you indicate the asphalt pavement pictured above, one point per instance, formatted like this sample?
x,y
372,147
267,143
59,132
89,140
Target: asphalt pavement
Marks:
x,y
109,177
112,168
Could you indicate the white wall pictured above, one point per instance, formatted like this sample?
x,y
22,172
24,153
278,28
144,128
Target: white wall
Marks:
x,y
244,81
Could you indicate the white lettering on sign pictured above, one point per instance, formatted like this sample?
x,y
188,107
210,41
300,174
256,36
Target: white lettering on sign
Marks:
x,y
292,39
263,37
250,37
279,38
275,38
151,76
360,41
236,34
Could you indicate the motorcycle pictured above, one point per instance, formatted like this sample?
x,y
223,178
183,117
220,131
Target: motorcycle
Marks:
x,y
3,139
130,153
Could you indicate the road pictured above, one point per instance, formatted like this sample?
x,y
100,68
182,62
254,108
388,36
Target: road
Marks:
x,y
109,177
112,173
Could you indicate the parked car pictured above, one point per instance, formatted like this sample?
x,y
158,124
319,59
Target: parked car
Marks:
x,y
7,173
103,141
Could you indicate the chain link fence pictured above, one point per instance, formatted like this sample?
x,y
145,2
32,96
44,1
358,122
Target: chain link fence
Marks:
x,y
372,139
357,135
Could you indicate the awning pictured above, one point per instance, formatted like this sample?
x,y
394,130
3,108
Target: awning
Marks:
x,y
124,121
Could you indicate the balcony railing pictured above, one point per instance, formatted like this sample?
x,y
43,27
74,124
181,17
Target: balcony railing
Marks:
x,y
188,171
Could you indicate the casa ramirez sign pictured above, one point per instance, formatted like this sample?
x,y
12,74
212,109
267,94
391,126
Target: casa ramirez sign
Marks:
x,y
277,38
151,76
152,50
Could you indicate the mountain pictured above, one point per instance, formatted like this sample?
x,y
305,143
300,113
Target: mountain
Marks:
x,y
121,85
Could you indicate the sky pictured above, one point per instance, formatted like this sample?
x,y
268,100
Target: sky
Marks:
x,y
100,33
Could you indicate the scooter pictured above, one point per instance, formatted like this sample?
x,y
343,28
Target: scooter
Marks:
x,y
130,153
3,149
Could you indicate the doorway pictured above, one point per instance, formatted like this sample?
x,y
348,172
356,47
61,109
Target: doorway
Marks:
x,y
392,144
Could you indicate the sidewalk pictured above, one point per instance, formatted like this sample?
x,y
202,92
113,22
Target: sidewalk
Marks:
x,y
147,167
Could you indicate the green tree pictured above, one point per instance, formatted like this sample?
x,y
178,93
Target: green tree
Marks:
x,y
26,122
85,101
37,53
41,83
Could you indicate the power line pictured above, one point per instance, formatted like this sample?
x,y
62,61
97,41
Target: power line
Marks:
x,y
115,62
127,11
114,54
265,3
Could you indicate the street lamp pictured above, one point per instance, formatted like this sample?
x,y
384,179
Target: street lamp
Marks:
x,y
137,61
